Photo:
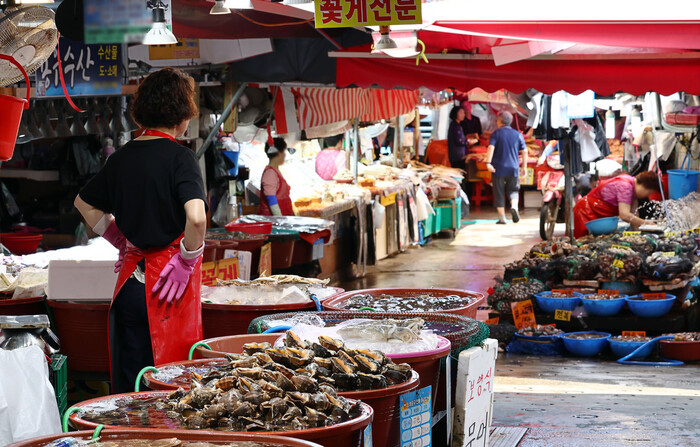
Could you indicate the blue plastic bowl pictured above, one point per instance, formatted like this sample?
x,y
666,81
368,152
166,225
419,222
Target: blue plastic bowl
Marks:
x,y
650,308
606,225
587,347
624,348
550,305
604,308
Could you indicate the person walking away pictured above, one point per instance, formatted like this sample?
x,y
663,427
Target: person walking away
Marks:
x,y
502,160
149,202
274,197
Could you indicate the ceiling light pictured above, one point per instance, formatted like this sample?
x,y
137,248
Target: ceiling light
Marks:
x,y
385,42
159,34
219,8
238,4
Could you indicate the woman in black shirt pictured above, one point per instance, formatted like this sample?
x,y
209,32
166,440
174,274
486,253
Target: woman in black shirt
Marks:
x,y
149,202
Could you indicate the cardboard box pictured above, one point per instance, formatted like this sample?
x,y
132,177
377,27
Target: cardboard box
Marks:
x,y
81,281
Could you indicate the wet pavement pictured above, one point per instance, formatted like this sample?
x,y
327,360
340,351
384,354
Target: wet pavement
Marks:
x,y
563,401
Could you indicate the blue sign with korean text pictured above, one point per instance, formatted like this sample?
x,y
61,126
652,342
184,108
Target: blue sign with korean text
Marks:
x,y
87,70
416,421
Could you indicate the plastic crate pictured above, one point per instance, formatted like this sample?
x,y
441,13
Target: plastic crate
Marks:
x,y
444,218
58,375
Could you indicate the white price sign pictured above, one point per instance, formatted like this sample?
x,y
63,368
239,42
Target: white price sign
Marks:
x,y
474,397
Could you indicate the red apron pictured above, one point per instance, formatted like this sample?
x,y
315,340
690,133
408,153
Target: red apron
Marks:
x,y
174,327
592,206
283,200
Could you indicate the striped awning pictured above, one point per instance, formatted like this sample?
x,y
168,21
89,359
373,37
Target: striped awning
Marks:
x,y
320,106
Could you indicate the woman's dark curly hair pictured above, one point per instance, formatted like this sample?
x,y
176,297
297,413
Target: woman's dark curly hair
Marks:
x,y
279,144
164,99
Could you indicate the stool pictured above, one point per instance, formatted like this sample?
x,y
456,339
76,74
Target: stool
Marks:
x,y
478,196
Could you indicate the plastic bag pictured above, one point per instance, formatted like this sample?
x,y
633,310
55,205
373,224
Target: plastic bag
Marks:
x,y
378,212
27,401
225,212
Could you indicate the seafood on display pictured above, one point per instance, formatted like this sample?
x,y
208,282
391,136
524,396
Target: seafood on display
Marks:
x,y
539,331
425,302
630,339
389,330
601,296
163,442
585,336
277,280
685,336
291,388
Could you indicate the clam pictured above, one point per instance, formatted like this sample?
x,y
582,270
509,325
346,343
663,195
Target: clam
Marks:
x,y
293,340
252,348
330,343
372,381
366,364
305,384
341,367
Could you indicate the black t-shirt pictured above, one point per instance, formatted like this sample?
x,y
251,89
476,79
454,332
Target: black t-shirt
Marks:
x,y
145,185
470,126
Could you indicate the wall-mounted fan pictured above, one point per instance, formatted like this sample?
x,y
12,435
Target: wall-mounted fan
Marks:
x,y
29,35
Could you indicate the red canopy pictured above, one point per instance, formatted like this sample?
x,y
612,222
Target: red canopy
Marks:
x,y
605,77
642,35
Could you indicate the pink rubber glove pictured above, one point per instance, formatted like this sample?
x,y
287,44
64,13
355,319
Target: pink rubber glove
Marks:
x,y
117,239
176,274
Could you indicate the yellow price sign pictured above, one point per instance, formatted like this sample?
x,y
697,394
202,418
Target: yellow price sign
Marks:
x,y
618,264
631,233
518,280
668,254
562,315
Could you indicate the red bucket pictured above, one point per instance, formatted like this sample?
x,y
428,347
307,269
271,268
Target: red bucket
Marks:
x,y
11,115
232,344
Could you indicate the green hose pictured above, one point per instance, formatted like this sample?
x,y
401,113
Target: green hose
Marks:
x,y
194,346
66,416
366,308
139,376
98,430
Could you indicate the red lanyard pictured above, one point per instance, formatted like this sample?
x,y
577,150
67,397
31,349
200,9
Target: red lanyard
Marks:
x,y
157,133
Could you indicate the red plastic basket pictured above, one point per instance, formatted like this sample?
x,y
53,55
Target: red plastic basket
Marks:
x,y
252,228
21,243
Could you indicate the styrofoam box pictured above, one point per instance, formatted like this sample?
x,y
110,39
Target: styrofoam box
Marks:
x,y
532,199
81,280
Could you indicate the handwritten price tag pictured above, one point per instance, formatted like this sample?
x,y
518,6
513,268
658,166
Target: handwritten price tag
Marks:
x,y
618,264
562,315
518,280
608,292
209,273
523,314
492,320
541,255
631,233
634,333
671,234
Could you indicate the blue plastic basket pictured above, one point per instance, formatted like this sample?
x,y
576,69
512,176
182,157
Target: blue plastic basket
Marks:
x,y
606,225
585,347
650,308
624,348
550,305
603,308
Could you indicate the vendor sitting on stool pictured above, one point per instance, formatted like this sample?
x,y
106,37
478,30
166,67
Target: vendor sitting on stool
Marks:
x,y
274,190
615,197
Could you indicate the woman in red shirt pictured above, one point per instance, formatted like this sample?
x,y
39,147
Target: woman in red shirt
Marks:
x,y
274,190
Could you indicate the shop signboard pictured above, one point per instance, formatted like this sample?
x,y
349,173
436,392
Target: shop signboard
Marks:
x,y
87,70
351,13
120,21
474,395
416,421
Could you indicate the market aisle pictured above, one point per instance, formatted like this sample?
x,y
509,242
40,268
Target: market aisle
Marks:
x,y
469,261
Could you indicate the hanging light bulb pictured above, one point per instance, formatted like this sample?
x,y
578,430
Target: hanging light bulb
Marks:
x,y
610,124
52,111
159,34
104,119
117,123
636,118
77,128
385,42
62,128
24,135
91,125
219,8
46,127
31,124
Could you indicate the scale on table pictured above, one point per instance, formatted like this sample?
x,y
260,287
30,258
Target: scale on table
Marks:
x,y
20,331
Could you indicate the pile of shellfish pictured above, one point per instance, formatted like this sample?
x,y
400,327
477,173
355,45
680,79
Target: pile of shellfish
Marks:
x,y
290,388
